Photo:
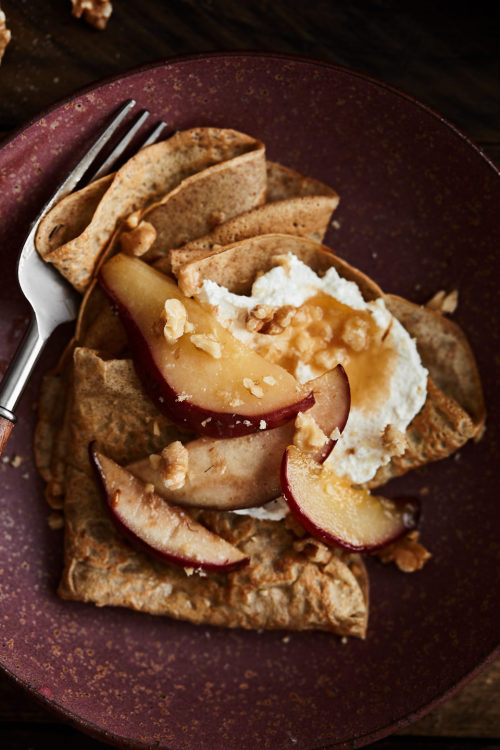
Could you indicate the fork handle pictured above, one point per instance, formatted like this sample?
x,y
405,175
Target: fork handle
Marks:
x,y
16,378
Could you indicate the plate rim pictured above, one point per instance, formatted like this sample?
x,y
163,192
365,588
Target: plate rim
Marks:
x,y
68,716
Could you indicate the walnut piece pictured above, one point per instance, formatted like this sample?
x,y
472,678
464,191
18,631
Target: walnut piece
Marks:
x,y
174,458
207,344
5,35
96,12
444,303
254,388
174,319
139,240
355,333
55,521
308,436
394,440
408,554
270,320
259,316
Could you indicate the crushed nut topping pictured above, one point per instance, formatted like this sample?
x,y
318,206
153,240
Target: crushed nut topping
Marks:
x,y
174,319
444,303
5,35
254,388
207,344
307,436
408,554
329,358
270,320
269,380
56,521
394,440
174,460
259,316
149,488
96,12
139,240
355,333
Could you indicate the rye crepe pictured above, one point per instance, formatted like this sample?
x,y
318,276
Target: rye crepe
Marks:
x,y
454,409
292,581
145,178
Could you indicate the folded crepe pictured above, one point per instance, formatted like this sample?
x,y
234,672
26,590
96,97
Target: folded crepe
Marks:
x,y
146,177
292,582
454,410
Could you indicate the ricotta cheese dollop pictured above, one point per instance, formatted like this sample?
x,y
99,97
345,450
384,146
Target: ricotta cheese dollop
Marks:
x,y
388,380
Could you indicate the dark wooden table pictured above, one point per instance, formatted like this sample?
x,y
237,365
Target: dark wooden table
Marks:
x,y
447,55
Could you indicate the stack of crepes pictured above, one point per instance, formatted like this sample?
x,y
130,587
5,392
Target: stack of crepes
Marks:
x,y
185,204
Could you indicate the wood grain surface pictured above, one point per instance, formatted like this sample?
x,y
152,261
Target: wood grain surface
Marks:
x,y
446,55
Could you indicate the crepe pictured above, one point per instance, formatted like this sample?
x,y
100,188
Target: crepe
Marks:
x,y
453,412
307,216
294,205
145,178
202,192
292,582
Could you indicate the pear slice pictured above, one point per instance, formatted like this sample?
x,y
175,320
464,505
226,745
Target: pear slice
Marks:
x,y
162,530
332,510
205,379
244,472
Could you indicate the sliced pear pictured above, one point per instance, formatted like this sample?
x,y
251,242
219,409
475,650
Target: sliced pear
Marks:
x,y
332,510
245,472
162,530
205,379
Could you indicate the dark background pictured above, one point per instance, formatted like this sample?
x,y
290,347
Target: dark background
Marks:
x,y
445,54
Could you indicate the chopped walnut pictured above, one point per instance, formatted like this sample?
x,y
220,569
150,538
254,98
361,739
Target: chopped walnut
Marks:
x,y
16,460
254,388
269,380
307,436
355,333
174,459
270,320
394,440
408,554
207,344
5,34
149,488
313,549
444,303
96,12
327,358
139,240
55,521
259,316
174,319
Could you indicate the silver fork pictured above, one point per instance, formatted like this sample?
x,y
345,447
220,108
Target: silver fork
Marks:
x,y
51,297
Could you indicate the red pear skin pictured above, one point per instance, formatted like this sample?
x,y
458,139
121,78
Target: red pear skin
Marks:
x,y
162,530
244,472
184,383
343,516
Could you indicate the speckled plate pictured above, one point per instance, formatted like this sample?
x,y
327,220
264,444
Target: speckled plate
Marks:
x,y
419,212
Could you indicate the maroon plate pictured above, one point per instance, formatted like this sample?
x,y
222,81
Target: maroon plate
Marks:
x,y
419,212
